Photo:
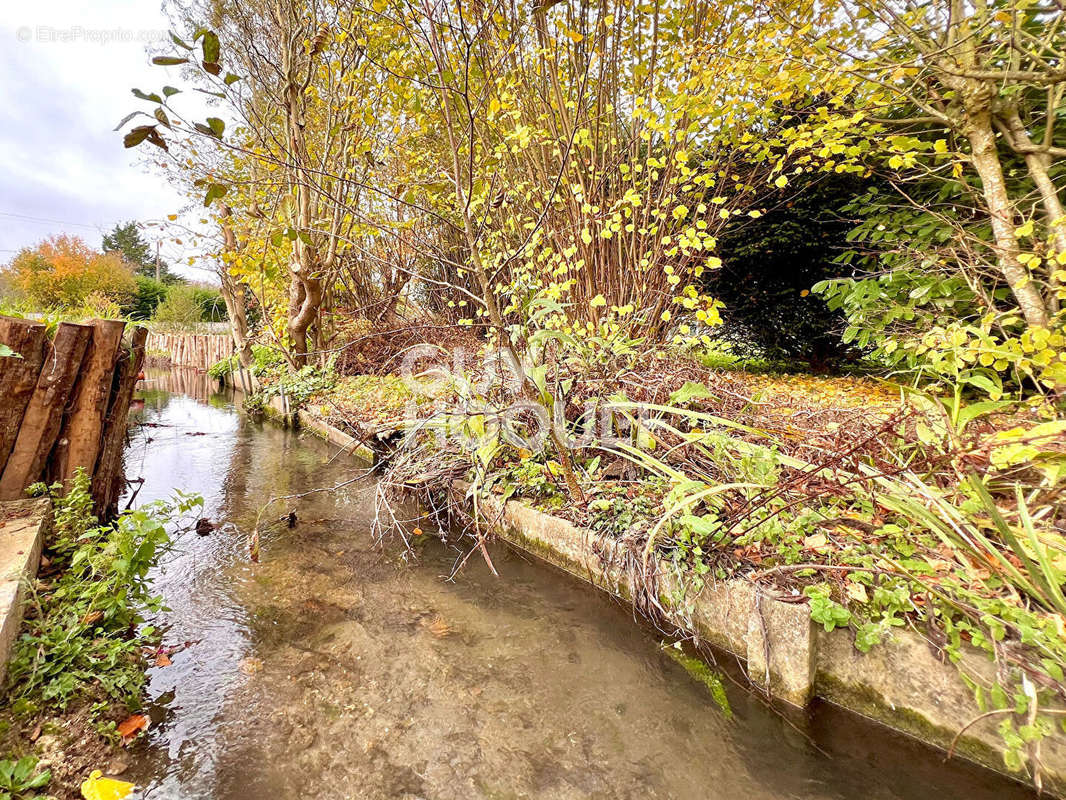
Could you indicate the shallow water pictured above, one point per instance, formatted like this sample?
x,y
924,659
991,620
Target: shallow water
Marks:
x,y
335,669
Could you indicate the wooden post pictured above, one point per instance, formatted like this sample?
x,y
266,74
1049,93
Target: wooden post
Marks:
x,y
107,480
44,414
18,376
80,436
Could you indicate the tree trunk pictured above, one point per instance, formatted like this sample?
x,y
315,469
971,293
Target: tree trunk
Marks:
x,y
986,162
305,298
18,376
44,414
233,296
80,437
107,480
1039,166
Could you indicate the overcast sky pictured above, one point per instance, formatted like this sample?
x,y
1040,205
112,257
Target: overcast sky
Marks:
x,y
66,70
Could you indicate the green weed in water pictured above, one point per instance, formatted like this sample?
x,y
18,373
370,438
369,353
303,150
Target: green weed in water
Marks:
x,y
705,675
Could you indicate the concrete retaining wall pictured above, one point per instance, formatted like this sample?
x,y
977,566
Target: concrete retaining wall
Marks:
x,y
24,524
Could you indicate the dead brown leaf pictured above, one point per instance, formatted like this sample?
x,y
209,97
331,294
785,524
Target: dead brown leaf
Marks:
x,y
250,666
131,726
92,617
439,628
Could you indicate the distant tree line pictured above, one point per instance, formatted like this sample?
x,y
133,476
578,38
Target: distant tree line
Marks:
x,y
64,273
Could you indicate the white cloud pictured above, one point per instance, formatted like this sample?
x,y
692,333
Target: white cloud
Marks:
x,y
66,70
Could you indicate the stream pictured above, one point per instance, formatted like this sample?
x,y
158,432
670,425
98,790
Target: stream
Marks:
x,y
336,668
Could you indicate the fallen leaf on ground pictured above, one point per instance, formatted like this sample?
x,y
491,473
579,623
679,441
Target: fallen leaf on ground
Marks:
x,y
163,660
815,541
857,592
250,666
118,764
97,787
131,726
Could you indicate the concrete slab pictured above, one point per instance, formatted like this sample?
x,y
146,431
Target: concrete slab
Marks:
x,y
24,524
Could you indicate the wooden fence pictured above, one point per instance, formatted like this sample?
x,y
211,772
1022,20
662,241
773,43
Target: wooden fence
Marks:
x,y
200,350
65,403
188,381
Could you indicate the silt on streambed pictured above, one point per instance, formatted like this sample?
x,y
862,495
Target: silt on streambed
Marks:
x,y
335,668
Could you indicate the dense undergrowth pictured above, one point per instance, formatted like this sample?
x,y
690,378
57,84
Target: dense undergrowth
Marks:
x,y
78,666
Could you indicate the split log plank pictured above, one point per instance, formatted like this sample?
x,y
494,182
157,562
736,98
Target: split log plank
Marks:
x,y
107,480
44,413
18,376
81,434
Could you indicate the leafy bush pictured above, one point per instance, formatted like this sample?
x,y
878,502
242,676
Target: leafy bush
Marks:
x,y
142,305
64,272
263,360
212,306
187,305
85,630
923,312
20,779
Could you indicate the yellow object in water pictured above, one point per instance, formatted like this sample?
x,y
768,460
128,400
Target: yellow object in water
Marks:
x,y
98,787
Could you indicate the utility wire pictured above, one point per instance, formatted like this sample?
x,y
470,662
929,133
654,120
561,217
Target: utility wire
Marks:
x,y
29,218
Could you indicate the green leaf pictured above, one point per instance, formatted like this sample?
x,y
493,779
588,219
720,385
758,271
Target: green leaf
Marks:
x,y
174,38
211,53
137,135
690,391
217,126
984,383
975,410
153,98
169,61
215,190
7,352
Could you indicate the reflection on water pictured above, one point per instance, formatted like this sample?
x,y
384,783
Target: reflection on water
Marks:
x,y
331,669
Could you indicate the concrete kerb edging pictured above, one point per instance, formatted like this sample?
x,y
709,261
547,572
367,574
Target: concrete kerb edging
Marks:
x,y
905,683
24,525
775,638
324,430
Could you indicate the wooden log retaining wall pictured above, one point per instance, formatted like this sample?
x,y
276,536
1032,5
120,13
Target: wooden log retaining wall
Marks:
x,y
200,350
63,404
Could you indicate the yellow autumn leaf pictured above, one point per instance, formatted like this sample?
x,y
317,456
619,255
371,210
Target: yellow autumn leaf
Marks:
x,y
857,592
97,787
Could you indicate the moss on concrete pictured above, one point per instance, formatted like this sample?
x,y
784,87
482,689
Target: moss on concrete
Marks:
x,y
868,702
705,675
